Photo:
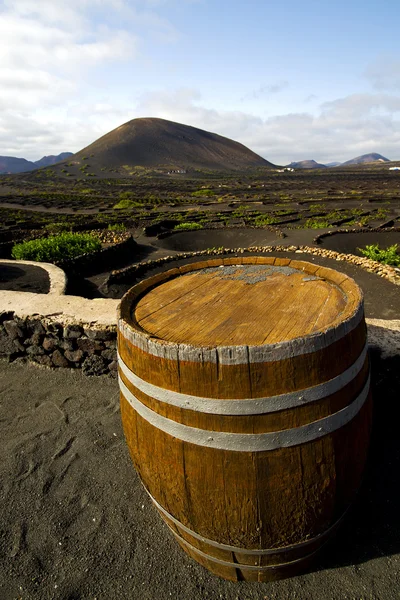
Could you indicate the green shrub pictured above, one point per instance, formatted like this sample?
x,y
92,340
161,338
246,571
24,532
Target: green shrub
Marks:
x,y
316,207
239,212
126,195
187,226
387,256
203,193
127,204
58,227
316,223
56,247
265,220
116,227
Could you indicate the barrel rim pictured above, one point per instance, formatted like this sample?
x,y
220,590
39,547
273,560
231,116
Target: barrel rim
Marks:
x,y
339,327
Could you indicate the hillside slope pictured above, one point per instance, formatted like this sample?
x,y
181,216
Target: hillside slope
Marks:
x,y
307,164
46,161
365,158
158,143
11,164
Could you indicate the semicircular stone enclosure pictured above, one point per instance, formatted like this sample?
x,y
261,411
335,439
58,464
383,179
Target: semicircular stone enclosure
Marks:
x,y
246,406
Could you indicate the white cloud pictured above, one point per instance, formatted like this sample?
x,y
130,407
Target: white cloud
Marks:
x,y
356,106
384,73
25,43
51,53
48,53
344,128
264,91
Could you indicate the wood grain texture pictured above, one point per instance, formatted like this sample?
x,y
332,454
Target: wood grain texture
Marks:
x,y
276,500
211,309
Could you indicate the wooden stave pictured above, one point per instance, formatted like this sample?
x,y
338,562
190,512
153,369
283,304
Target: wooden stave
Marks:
x,y
258,423
306,370
353,475
172,447
357,338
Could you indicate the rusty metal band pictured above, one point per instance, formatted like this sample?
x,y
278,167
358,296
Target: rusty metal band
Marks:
x,y
249,442
246,406
262,552
242,566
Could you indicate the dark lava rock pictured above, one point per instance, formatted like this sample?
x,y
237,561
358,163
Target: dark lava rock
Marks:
x,y
35,327
49,344
59,359
6,345
13,329
113,366
44,360
6,315
73,331
74,356
35,340
54,328
100,334
109,354
18,346
110,344
35,350
94,365
90,346
67,345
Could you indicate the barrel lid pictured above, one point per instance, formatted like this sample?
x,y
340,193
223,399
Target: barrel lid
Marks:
x,y
251,301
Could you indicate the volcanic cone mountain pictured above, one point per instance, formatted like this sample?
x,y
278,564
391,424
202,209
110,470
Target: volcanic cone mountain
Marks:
x,y
366,158
160,144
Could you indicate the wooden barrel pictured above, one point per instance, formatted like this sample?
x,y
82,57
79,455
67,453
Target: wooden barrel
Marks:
x,y
246,407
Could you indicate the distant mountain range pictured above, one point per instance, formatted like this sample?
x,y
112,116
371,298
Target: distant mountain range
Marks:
x,y
365,158
307,164
359,160
10,164
166,147
149,144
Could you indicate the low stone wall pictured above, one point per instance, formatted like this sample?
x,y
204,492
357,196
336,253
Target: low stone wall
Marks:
x,y
54,330
88,264
212,227
52,344
319,238
385,271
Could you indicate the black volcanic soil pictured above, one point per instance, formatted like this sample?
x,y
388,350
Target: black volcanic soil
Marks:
x,y
24,278
189,241
77,524
382,298
349,243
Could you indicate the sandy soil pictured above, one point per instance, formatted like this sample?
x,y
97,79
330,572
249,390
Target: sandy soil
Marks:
x,y
75,522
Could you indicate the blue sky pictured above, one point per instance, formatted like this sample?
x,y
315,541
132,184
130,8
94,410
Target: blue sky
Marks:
x,y
291,82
